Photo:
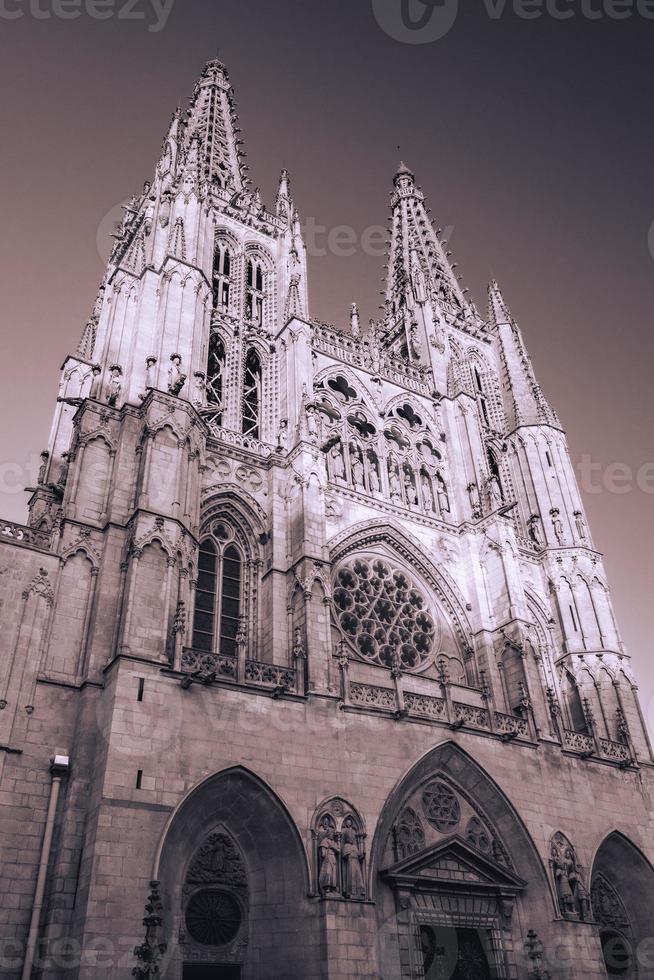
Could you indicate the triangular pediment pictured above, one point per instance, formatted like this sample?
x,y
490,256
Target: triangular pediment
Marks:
x,y
452,861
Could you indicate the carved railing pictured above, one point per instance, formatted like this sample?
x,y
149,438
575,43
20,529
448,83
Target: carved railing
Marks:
x,y
373,697
270,675
28,537
359,353
220,664
228,667
471,714
236,439
617,751
511,725
578,742
425,706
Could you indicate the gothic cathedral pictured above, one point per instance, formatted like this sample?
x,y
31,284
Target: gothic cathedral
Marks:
x,y
310,669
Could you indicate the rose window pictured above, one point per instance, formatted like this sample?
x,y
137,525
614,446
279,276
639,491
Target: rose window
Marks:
x,y
213,918
441,807
384,614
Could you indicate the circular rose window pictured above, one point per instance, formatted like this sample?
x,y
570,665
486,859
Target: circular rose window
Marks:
x,y
384,614
213,918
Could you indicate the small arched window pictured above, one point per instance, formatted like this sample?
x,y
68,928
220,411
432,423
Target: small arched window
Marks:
x,y
254,292
218,597
216,378
222,271
252,395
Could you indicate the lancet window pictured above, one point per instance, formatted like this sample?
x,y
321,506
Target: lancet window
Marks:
x,y
218,595
254,291
215,384
252,395
222,276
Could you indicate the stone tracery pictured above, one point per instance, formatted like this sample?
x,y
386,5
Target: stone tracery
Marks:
x,y
384,614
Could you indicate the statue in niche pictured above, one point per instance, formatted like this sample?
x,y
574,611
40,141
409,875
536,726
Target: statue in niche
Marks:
x,y
328,852
427,493
338,466
96,376
410,488
475,499
418,280
352,857
356,466
580,524
442,494
494,492
149,371
45,459
394,483
375,353
416,341
282,436
115,385
557,524
535,532
354,320
176,378
373,471
574,900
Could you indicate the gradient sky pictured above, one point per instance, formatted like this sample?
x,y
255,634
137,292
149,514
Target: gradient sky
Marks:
x,y
532,139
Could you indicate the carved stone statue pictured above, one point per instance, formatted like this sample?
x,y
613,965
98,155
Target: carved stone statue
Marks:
x,y
410,489
574,900
282,436
311,423
328,851
115,385
176,378
580,524
494,492
443,496
352,857
149,371
475,499
356,465
535,532
373,471
338,466
427,493
394,483
45,459
557,524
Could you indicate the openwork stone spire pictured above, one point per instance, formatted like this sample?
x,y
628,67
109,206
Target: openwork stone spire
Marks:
x,y
418,265
528,403
213,122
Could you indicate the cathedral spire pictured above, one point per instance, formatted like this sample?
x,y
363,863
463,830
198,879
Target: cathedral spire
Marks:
x,y
418,265
213,122
528,403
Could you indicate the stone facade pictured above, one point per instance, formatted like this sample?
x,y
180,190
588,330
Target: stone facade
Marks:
x,y
310,668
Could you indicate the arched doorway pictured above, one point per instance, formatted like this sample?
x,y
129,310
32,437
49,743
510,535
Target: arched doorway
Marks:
x,y
622,896
234,875
450,866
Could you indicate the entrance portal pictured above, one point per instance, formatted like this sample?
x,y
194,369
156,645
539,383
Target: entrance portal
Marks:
x,y
221,971
454,953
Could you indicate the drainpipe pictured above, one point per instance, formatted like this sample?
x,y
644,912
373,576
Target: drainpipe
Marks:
x,y
59,768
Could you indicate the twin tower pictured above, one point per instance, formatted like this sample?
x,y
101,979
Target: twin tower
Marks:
x,y
306,637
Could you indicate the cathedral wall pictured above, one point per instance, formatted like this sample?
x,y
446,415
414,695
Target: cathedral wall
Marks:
x,y
304,752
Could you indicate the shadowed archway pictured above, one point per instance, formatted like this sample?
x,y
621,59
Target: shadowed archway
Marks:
x,y
242,804
481,857
622,892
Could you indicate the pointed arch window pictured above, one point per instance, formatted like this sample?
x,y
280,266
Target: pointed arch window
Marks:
x,y
254,291
252,395
481,397
218,596
222,276
216,378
